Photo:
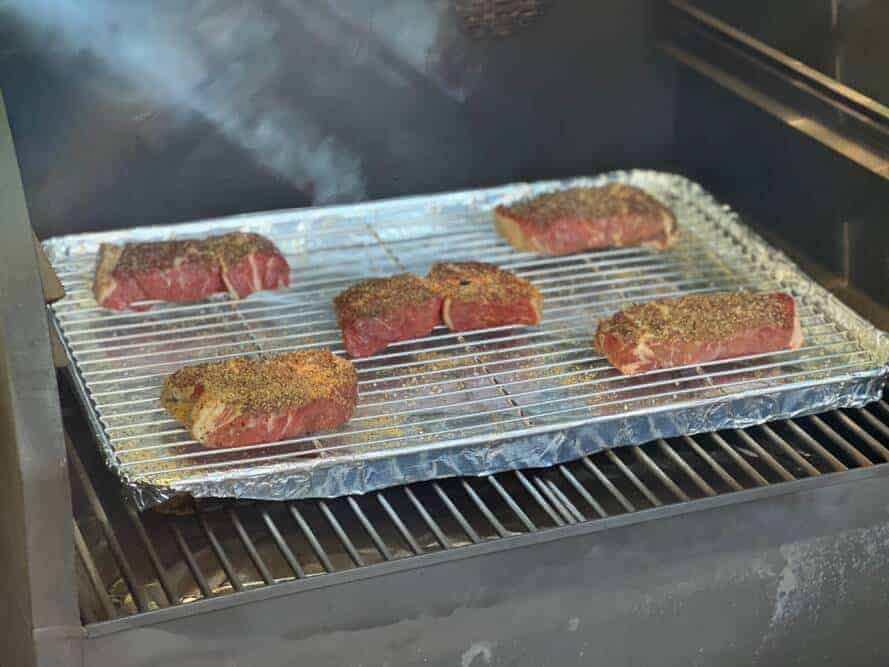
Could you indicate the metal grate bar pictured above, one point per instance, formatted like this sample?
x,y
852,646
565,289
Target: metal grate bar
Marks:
x,y
430,522
92,572
399,524
592,502
871,441
783,472
840,441
148,546
718,469
341,535
544,505
698,481
223,558
282,545
620,497
660,474
568,508
874,423
310,536
630,475
123,563
457,514
369,529
257,560
484,509
558,492
561,509
190,561
752,472
85,591
798,458
814,445
510,501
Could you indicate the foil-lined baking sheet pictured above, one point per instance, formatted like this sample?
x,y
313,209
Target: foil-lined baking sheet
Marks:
x,y
449,404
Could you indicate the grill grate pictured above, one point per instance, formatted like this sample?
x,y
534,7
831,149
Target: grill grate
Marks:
x,y
131,563
447,389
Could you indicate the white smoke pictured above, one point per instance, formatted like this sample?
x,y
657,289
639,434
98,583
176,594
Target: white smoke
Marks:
x,y
215,58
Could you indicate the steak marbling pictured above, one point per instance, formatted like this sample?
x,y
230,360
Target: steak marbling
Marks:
x,y
182,271
379,311
243,400
698,328
479,295
587,218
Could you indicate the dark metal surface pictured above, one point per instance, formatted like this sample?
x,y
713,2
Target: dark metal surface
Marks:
x,y
800,193
844,39
802,158
38,614
136,113
764,582
771,61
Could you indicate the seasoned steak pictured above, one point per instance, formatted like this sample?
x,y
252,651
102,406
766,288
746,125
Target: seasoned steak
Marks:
x,y
479,295
698,328
587,218
379,311
239,262
243,401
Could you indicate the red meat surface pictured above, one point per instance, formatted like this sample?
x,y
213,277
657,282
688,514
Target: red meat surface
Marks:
x,y
379,311
243,401
182,271
698,328
479,295
587,218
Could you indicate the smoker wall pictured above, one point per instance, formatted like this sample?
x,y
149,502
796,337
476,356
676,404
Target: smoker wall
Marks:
x,y
845,39
135,113
789,186
139,113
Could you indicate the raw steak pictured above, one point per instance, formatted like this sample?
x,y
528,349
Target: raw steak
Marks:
x,y
243,401
479,295
239,262
379,311
587,218
697,328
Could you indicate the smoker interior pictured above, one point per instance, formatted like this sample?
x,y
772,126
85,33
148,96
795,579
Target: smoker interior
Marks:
x,y
766,542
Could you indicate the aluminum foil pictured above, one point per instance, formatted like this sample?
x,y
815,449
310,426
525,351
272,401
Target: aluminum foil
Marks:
x,y
469,404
